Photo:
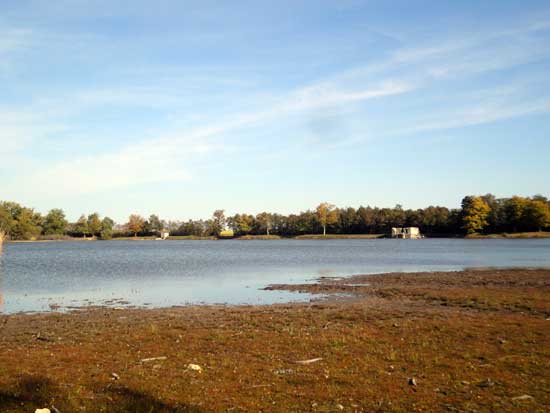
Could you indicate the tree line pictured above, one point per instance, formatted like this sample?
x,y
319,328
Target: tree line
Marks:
x,y
477,214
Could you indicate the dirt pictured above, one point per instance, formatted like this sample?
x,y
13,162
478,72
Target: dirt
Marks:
x,y
471,341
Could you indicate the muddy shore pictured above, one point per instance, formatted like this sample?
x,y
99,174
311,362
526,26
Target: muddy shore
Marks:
x,y
469,341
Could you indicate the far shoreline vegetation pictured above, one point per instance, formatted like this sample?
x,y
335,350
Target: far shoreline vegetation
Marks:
x,y
479,217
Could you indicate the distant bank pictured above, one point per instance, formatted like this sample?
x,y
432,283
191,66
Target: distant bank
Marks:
x,y
518,235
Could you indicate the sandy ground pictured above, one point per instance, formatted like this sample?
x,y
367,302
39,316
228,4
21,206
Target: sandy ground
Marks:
x,y
471,341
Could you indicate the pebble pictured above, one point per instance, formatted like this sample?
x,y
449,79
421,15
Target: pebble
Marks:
x,y
486,383
523,397
283,371
147,360
194,367
412,381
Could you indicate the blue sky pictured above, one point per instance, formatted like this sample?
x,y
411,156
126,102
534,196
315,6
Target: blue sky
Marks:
x,y
179,107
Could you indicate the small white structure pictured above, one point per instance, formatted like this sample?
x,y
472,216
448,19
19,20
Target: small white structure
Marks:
x,y
406,233
164,234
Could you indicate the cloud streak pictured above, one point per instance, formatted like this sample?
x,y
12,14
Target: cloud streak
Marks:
x,y
408,72
164,159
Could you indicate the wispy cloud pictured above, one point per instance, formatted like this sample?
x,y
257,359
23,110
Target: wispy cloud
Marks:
x,y
165,159
409,71
14,39
478,114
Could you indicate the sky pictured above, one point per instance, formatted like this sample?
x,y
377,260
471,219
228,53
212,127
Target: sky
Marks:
x,y
182,107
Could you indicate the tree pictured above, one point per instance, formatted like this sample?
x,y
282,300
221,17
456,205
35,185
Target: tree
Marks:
x,y
433,220
536,215
94,224
474,214
515,212
155,223
397,216
264,221
55,223
5,224
217,224
366,218
326,215
7,221
107,225
135,224
241,224
81,226
348,220
20,222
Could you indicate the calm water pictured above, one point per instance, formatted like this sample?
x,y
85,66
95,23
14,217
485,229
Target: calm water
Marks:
x,y
34,276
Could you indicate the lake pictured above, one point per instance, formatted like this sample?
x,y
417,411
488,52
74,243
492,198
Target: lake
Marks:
x,y
42,276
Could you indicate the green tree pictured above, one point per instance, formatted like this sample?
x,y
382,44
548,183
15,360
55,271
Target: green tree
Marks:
x,y
474,214
241,224
536,215
7,220
155,223
81,226
366,219
19,222
264,220
107,225
326,215
55,222
515,212
348,220
94,224
217,223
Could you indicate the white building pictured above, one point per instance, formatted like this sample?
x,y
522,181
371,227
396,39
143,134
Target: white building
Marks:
x,y
406,233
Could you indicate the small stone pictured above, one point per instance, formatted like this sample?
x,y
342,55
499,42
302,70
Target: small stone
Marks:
x,y
486,383
412,381
194,367
339,407
465,383
147,360
45,410
501,341
115,376
283,371
523,397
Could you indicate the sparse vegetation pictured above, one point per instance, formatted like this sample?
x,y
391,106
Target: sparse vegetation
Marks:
x,y
467,341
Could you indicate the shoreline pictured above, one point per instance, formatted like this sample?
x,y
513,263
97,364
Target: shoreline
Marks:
x,y
471,340
322,289
320,237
